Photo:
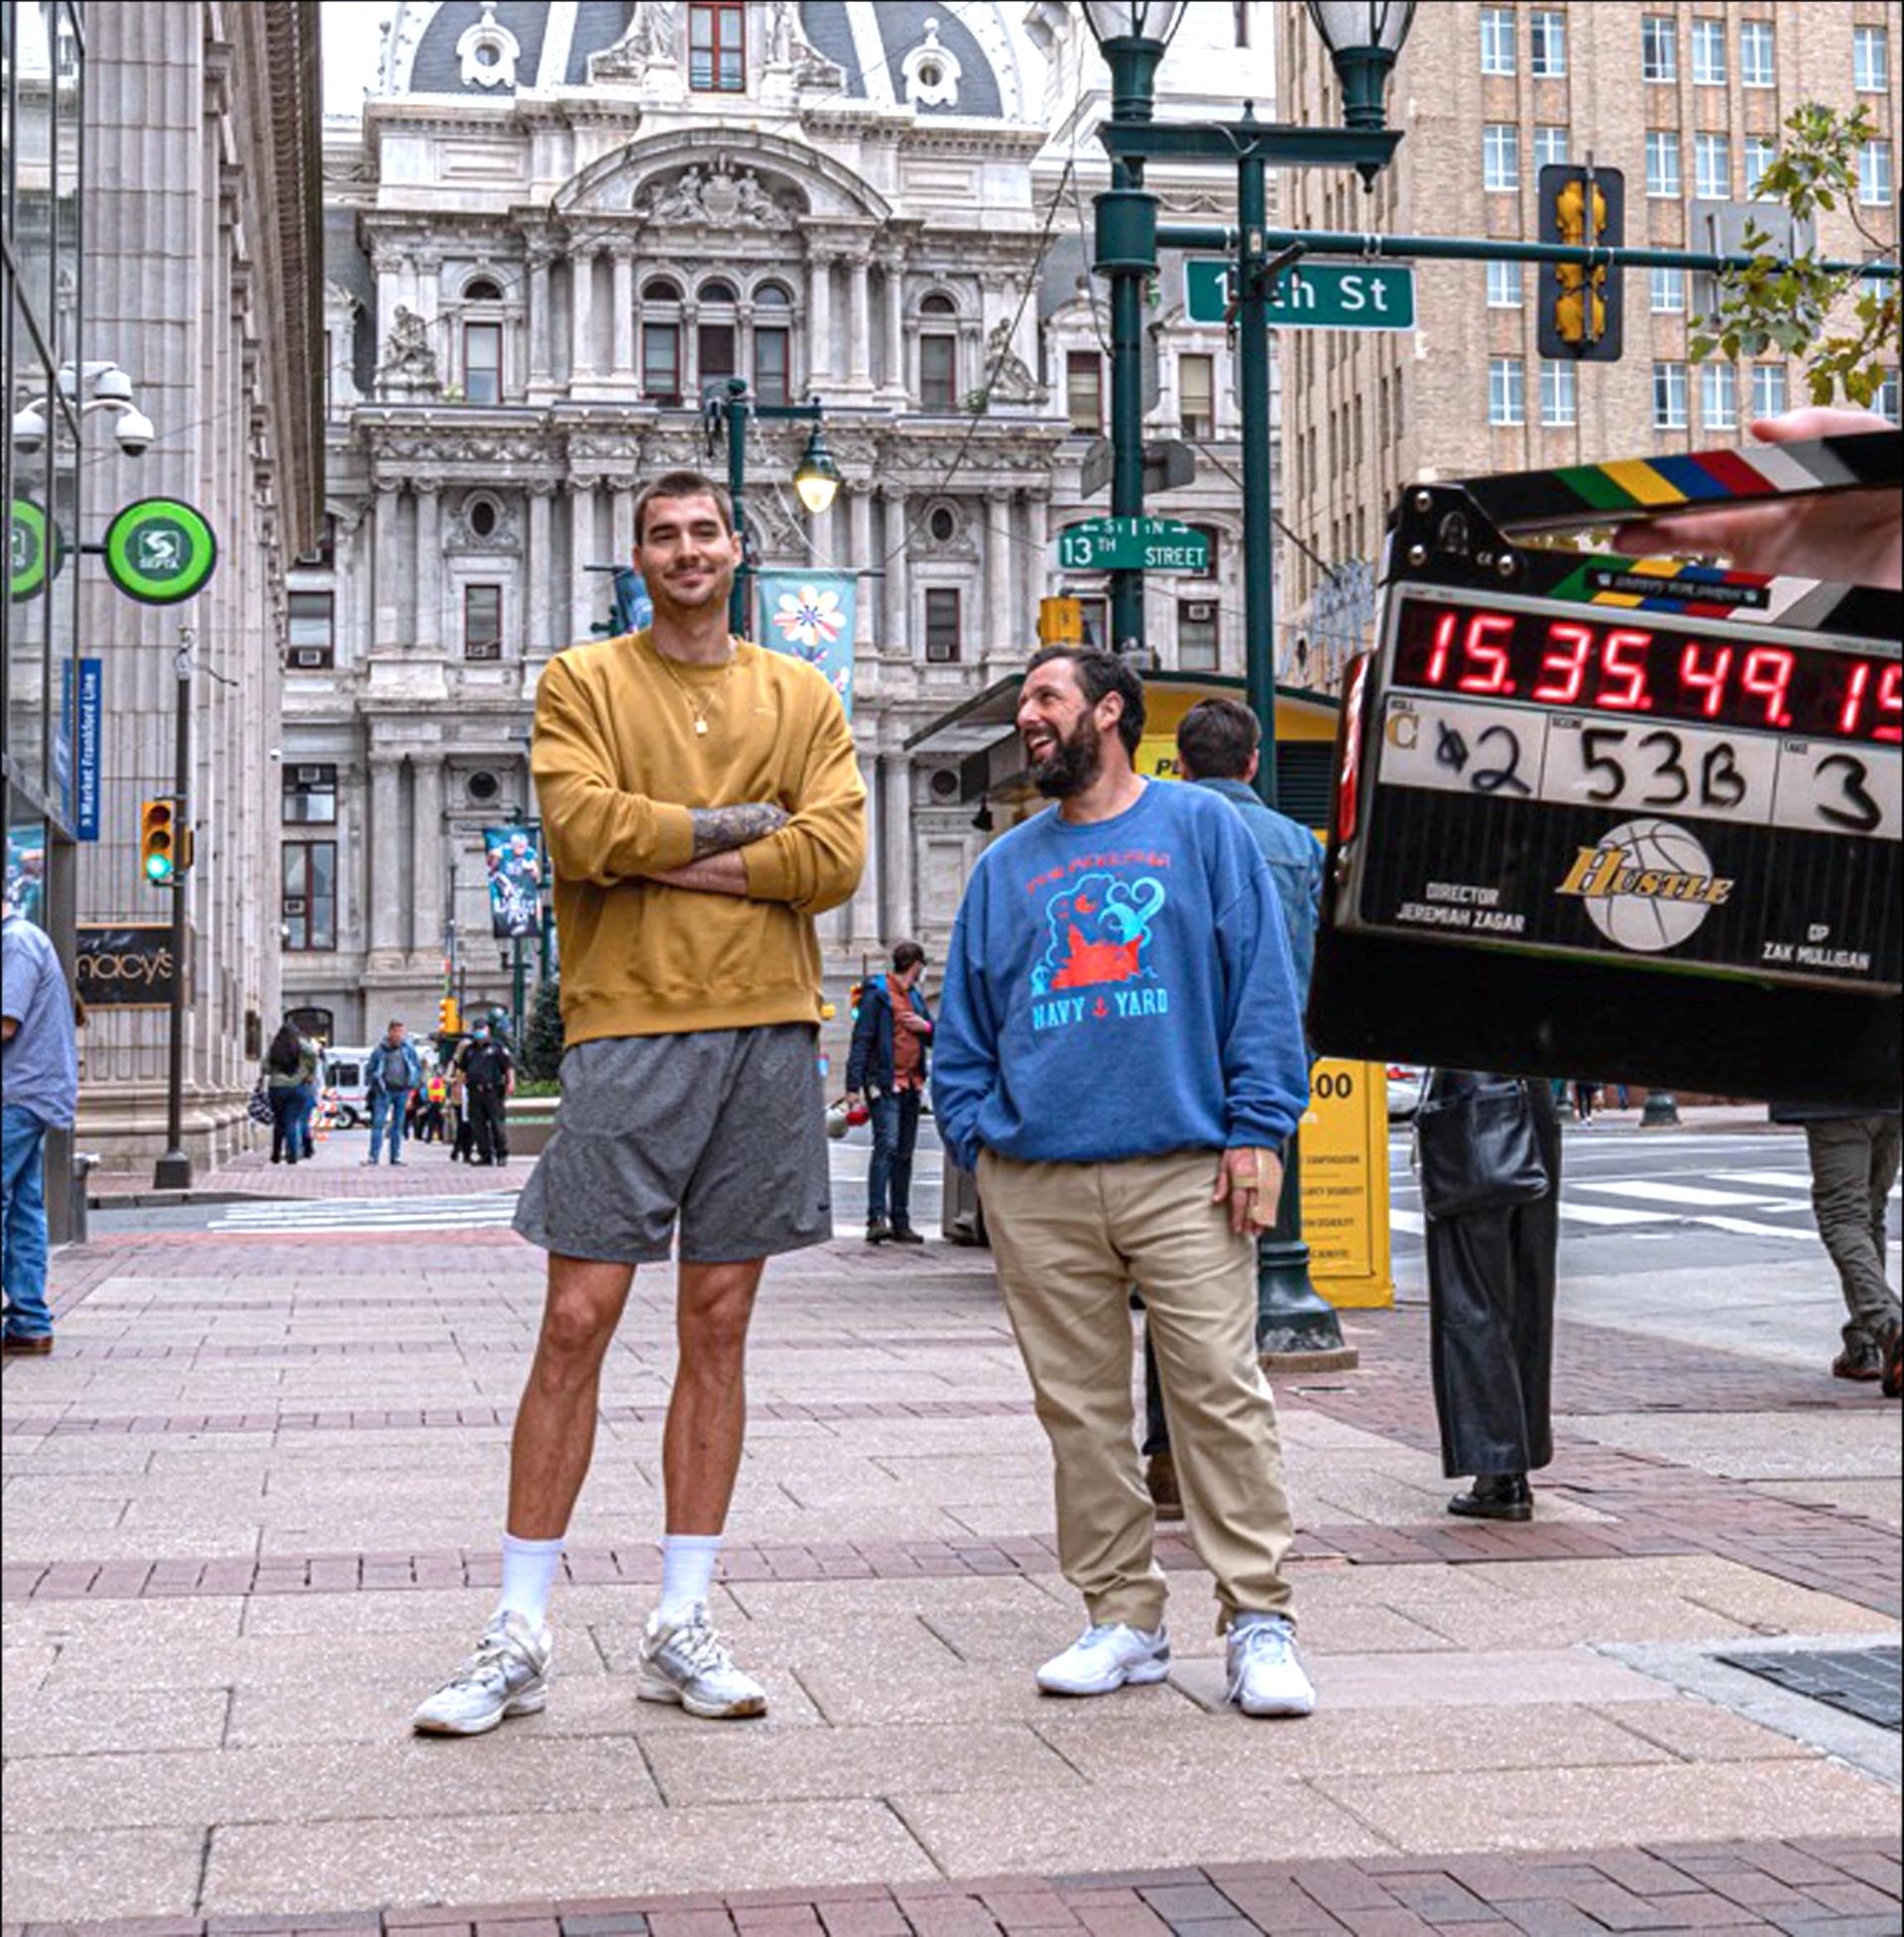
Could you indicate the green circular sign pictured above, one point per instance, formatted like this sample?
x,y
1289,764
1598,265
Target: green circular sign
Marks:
x,y
160,550
36,549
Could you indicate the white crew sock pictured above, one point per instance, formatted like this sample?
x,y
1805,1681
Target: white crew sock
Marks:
x,y
528,1572
688,1572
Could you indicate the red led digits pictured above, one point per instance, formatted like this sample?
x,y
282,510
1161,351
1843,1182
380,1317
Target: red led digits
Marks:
x,y
1623,656
1491,661
1567,671
1696,677
1437,668
1768,674
1890,700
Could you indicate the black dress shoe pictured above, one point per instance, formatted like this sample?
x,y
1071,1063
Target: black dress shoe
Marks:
x,y
904,1234
1496,1497
878,1230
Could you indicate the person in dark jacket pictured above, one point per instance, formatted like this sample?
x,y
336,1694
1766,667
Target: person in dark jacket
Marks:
x,y
290,1063
489,1076
1490,1326
892,1042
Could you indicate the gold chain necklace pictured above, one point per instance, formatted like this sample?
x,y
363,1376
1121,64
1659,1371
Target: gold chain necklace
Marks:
x,y
681,687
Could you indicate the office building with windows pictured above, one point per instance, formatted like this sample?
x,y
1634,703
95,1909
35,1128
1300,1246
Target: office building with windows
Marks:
x,y
554,229
1689,102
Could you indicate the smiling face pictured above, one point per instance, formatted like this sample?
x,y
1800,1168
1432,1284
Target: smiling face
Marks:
x,y
687,554
1063,733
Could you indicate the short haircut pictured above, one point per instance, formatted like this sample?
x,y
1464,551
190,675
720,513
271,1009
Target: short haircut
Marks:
x,y
1217,739
1101,675
395,1023
683,484
907,955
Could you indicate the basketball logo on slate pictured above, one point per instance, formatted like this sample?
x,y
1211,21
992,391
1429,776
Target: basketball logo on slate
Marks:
x,y
1647,886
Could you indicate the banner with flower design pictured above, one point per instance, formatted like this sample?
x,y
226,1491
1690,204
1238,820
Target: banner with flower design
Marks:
x,y
809,614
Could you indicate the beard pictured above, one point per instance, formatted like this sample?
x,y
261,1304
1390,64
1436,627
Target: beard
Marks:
x,y
670,600
1072,763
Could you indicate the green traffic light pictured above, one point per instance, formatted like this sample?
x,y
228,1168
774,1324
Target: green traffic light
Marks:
x,y
158,866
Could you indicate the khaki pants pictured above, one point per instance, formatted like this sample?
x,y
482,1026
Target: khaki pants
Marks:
x,y
1070,1241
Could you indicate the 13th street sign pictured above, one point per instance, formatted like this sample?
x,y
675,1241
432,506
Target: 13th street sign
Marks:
x,y
1313,296
1134,544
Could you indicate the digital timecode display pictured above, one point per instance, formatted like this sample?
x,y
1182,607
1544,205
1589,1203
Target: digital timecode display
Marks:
x,y
1617,666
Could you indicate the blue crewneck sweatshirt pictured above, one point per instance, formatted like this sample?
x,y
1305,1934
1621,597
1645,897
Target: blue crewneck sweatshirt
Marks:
x,y
1120,989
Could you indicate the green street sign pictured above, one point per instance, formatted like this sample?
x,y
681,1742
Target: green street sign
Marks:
x,y
160,550
1134,544
1313,295
36,549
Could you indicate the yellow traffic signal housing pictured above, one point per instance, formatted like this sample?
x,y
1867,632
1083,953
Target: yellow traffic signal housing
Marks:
x,y
448,1021
1578,312
160,859
1060,622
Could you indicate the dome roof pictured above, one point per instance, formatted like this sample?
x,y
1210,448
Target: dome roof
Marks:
x,y
941,58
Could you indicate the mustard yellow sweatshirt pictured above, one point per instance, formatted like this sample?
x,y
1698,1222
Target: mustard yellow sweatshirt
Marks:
x,y
618,766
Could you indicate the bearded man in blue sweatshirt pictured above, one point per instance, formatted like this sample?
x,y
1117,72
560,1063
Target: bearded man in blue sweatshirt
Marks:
x,y
1119,1056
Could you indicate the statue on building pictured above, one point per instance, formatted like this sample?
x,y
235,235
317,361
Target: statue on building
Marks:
x,y
722,197
1011,381
649,41
410,361
787,46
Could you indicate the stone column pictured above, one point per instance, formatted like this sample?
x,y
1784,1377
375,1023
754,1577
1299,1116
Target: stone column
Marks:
x,y
998,629
582,315
624,317
582,554
387,593
426,855
621,519
540,316
859,348
893,315
429,635
859,525
538,638
383,865
896,841
819,319
896,630
861,930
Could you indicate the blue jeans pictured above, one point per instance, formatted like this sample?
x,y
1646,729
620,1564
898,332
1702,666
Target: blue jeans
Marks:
x,y
895,1131
286,1138
307,1108
23,1221
387,1108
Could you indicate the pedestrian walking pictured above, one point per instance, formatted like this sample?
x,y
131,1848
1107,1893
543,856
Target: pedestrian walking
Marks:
x,y
1854,1162
391,1072
690,1079
435,1101
489,1080
290,1072
888,1065
1493,1242
1220,748
40,1078
1583,1094
1118,1053
463,1135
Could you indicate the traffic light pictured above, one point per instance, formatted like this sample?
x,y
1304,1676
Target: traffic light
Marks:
x,y
1060,622
1579,309
448,1021
159,858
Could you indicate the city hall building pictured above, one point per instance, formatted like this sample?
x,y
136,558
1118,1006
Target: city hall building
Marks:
x,y
555,229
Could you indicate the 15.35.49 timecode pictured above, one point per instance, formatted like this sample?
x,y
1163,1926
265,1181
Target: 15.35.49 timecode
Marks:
x,y
1819,692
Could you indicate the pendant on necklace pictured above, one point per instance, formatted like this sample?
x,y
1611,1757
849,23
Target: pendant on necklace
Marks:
x,y
700,726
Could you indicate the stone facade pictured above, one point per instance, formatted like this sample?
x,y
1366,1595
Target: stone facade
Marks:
x,y
537,251
1367,413
202,151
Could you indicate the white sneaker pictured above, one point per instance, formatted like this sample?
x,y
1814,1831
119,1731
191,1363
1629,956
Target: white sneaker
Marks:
x,y
507,1675
1104,1659
1266,1678
686,1661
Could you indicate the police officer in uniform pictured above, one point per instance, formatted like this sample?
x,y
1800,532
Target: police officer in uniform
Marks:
x,y
489,1075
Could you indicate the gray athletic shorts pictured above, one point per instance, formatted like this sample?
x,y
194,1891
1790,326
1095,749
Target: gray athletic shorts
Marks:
x,y
724,1128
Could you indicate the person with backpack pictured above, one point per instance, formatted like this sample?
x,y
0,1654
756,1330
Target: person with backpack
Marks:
x,y
391,1072
489,1075
290,1064
892,1036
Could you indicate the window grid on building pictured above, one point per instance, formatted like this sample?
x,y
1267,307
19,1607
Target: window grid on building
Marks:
x,y
1713,167
1557,393
1547,45
1198,650
1769,389
1507,390
312,638
1662,162
941,625
1497,40
1197,396
1762,151
1669,396
1874,173
1871,59
1709,54
938,373
1500,155
482,622
1507,285
483,362
1758,57
1884,403
1084,390
772,376
717,47
308,905
1658,48
311,795
1667,292
1719,397
1550,148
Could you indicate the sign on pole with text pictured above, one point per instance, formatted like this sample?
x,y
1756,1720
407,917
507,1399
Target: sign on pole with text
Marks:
x,y
1315,296
1134,544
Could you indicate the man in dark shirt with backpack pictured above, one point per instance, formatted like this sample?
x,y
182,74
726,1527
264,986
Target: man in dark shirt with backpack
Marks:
x,y
489,1074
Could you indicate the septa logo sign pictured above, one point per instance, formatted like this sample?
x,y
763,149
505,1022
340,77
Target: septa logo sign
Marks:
x,y
1647,886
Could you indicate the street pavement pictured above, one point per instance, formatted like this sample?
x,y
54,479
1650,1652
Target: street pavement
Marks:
x,y
251,1506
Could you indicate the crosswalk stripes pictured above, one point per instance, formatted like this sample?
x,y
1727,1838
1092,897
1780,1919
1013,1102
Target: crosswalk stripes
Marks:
x,y
313,1217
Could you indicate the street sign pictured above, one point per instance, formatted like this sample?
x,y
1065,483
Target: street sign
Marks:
x,y
1134,544
1312,296
160,550
36,549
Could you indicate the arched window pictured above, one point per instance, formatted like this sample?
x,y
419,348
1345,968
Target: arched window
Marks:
x,y
661,340
938,355
772,344
771,296
482,341
483,289
716,291
716,335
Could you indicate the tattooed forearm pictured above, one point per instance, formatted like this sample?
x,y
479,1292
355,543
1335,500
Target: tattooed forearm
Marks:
x,y
719,830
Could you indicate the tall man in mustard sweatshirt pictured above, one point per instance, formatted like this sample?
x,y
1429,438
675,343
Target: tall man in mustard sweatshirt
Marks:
x,y
702,805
